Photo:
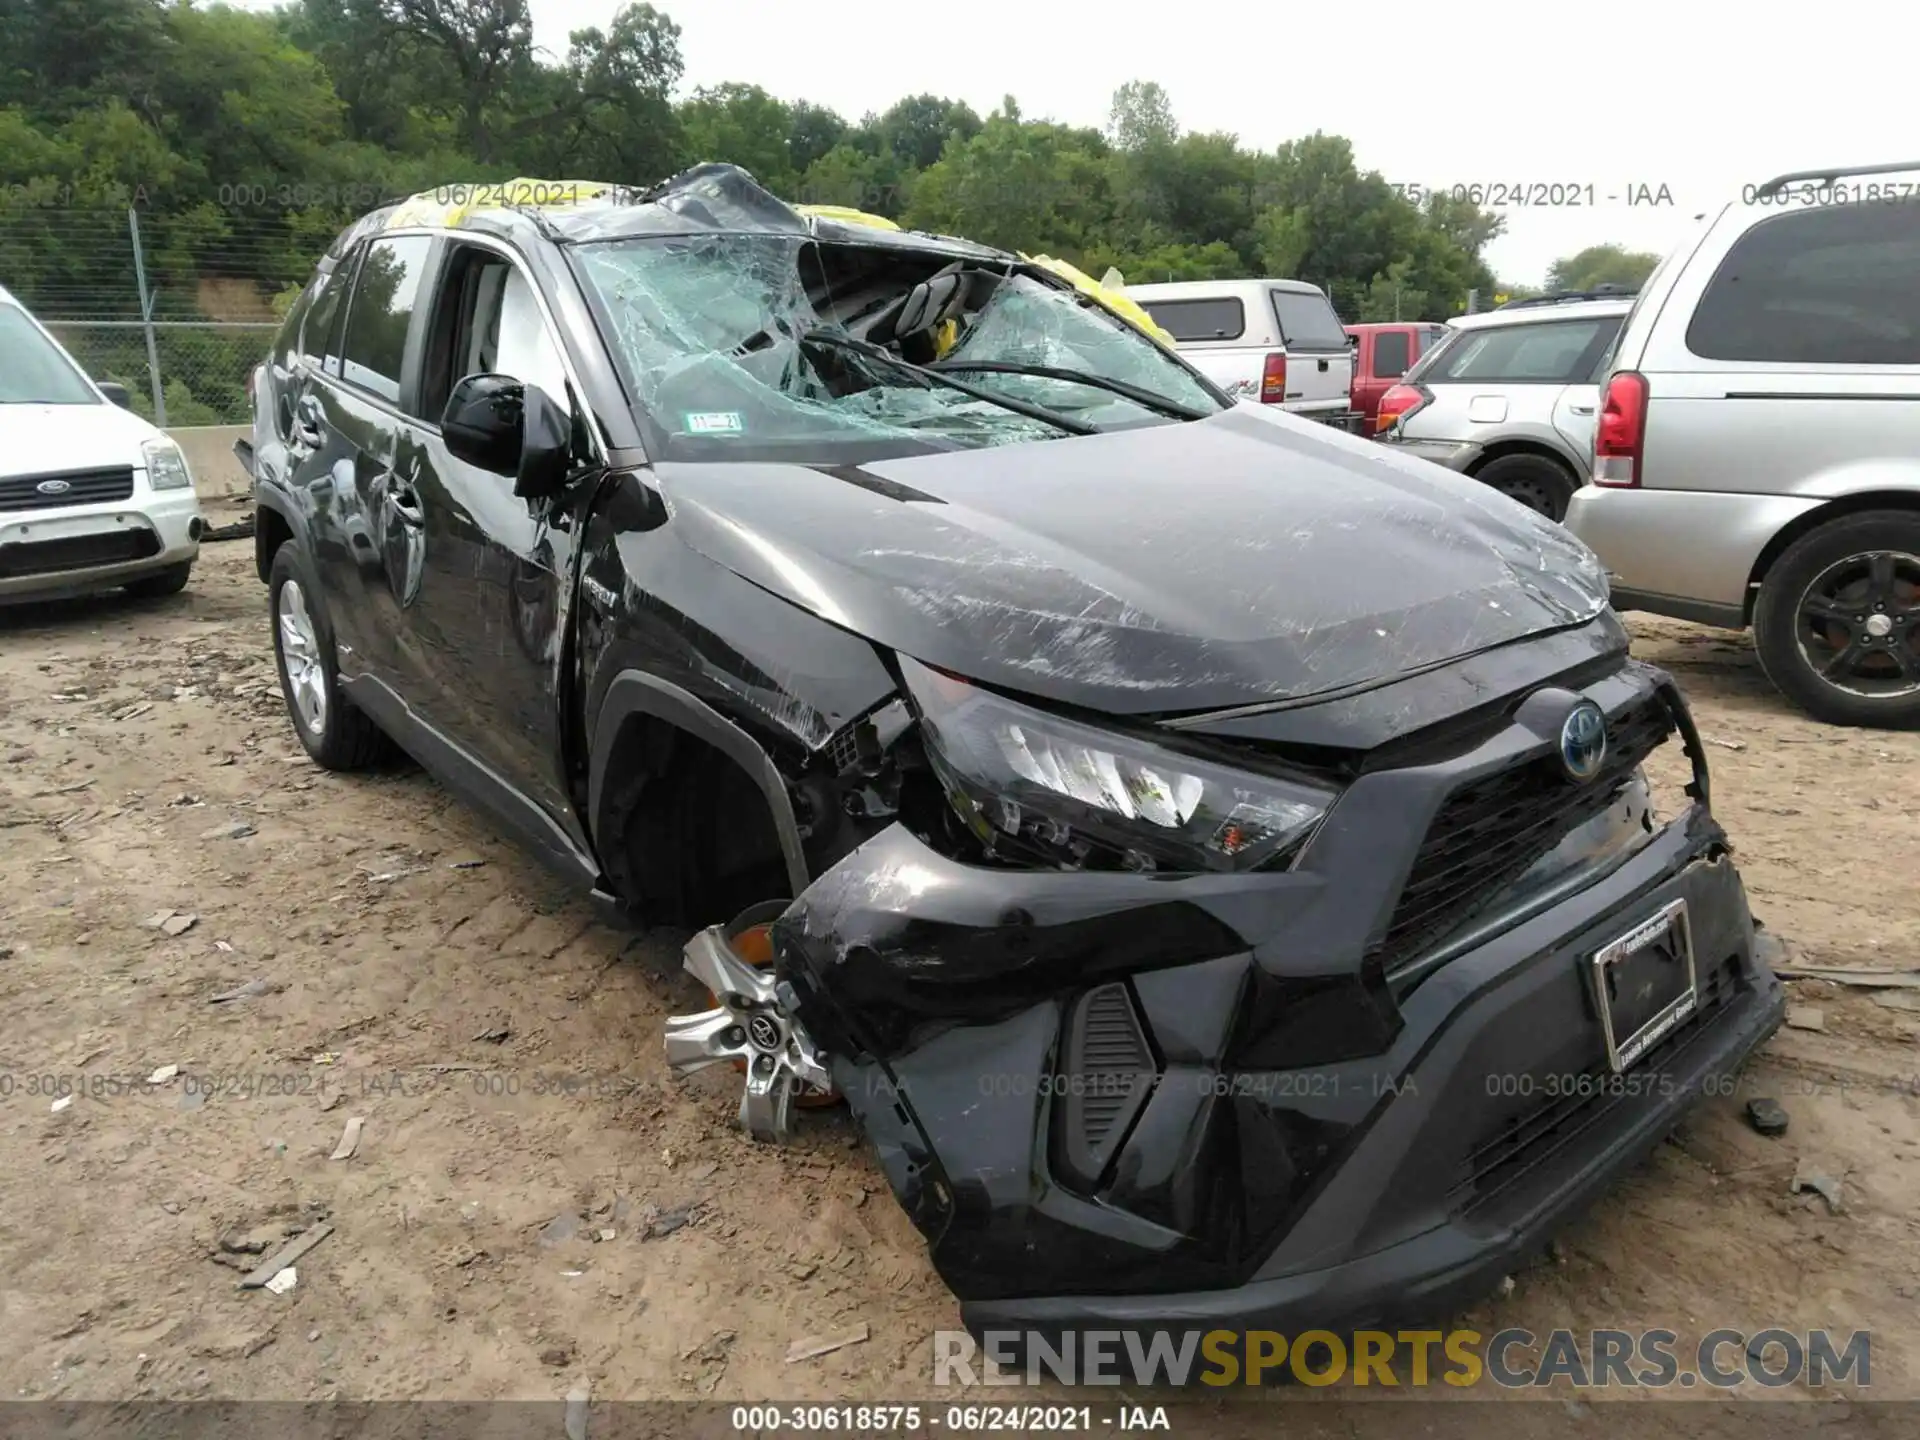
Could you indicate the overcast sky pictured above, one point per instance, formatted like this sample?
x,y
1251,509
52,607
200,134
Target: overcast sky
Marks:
x,y
1702,99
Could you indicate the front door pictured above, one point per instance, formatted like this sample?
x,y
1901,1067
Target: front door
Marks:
x,y
489,613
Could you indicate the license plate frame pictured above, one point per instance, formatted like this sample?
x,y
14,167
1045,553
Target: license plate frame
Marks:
x,y
1669,923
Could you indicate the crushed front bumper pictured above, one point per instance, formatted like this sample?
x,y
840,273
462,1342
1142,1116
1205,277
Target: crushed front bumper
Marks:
x,y
1114,1100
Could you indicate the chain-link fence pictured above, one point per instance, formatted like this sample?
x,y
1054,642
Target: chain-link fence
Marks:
x,y
199,370
178,314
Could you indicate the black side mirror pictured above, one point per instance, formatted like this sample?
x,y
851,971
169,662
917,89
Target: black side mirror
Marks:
x,y
546,446
497,424
1353,342
116,392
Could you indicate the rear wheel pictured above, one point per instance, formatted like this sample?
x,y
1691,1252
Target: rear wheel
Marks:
x,y
1538,483
331,730
1837,626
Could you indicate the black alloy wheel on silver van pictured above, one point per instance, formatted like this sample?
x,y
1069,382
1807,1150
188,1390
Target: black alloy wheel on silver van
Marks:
x,y
1837,626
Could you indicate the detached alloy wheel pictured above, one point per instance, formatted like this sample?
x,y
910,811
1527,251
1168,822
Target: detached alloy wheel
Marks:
x,y
750,1027
335,734
1837,627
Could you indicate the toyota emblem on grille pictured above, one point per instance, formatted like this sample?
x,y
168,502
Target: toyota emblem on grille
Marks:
x,y
54,487
1583,741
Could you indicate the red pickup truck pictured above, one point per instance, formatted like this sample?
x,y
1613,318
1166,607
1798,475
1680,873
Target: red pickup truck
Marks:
x,y
1382,354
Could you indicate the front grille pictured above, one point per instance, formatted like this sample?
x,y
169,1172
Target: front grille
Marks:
x,y
84,487
78,552
1523,1144
1491,830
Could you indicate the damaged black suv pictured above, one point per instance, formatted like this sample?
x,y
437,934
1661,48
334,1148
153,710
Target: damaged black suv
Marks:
x,y
1210,853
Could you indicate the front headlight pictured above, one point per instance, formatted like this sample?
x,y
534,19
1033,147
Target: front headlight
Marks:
x,y
1085,796
166,466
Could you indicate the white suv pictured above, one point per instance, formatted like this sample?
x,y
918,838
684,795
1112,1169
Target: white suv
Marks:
x,y
91,496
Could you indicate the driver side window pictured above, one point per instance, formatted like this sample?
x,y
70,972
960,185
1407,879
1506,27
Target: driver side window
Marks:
x,y
488,323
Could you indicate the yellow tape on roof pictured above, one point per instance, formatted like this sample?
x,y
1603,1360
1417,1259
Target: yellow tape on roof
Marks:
x,y
1119,302
846,215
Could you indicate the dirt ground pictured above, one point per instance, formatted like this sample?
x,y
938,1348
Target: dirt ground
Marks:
x,y
535,1201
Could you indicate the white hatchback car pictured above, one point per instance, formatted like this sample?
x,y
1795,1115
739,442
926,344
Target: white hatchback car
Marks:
x,y
92,497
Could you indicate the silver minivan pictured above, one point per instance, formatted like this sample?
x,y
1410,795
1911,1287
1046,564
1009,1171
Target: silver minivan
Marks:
x,y
1757,453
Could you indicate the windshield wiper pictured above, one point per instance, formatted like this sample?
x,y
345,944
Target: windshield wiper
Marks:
x,y
1146,399
873,351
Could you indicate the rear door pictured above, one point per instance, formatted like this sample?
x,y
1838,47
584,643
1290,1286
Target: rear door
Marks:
x,y
1319,357
1217,337
301,446
374,556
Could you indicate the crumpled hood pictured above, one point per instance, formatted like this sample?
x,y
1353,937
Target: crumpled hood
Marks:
x,y
1244,558
35,439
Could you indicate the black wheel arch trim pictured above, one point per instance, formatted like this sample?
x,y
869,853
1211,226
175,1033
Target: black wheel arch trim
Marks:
x,y
633,692
268,496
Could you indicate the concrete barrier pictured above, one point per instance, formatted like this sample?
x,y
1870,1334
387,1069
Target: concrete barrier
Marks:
x,y
209,451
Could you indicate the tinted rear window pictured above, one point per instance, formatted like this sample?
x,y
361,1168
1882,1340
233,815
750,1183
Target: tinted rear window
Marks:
x,y
382,308
1839,285
1307,321
1554,352
320,330
1392,350
1222,318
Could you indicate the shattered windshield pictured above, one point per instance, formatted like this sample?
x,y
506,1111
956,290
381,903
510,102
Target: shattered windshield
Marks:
x,y
783,347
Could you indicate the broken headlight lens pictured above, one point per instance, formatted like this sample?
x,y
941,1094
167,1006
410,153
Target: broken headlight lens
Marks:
x,y
1086,796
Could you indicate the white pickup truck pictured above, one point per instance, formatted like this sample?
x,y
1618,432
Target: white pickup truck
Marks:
x,y
1277,342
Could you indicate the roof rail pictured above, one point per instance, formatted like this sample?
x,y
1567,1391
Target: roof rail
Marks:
x,y
1565,297
1780,182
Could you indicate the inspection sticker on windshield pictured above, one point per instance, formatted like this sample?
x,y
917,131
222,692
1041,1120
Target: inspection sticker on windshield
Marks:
x,y
713,422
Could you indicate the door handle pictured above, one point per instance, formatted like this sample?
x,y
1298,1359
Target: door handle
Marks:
x,y
406,503
1581,409
306,423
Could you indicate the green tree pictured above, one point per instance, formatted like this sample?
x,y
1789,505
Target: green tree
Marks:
x,y
741,125
1141,118
1032,187
916,129
614,114
488,44
813,131
61,56
849,176
1601,265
